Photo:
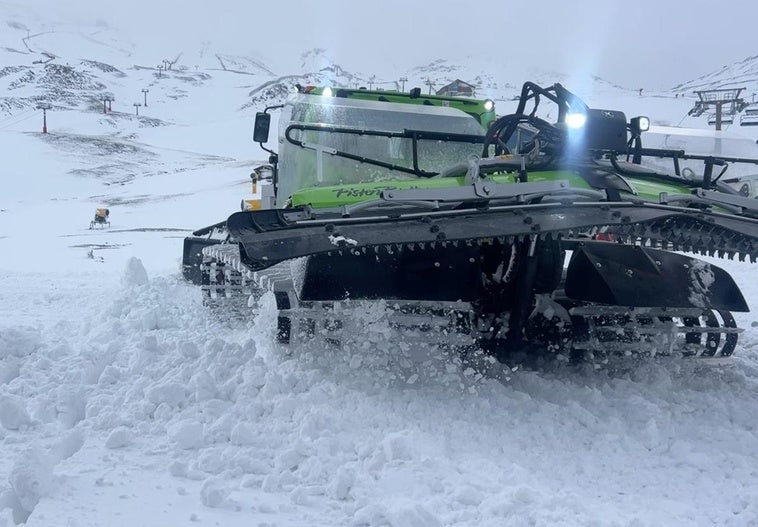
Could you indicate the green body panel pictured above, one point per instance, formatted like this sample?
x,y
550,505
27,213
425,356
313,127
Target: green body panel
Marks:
x,y
574,179
652,189
349,194
338,195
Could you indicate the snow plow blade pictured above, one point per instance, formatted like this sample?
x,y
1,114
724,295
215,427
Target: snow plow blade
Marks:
x,y
192,257
192,253
635,276
272,236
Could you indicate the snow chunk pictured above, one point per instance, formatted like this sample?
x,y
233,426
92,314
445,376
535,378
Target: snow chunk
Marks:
x,y
397,446
243,434
9,370
271,483
31,477
119,438
702,277
11,512
189,349
468,495
19,342
71,405
187,434
211,461
401,515
342,241
13,414
180,469
110,375
413,516
220,431
203,386
135,273
68,446
173,394
288,460
339,487
213,493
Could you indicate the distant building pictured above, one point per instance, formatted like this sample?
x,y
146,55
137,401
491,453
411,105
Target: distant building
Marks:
x,y
458,88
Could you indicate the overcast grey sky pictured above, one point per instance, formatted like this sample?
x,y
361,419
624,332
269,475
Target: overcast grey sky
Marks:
x,y
650,43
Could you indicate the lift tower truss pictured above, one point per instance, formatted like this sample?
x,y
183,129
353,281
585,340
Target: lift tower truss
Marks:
x,y
726,101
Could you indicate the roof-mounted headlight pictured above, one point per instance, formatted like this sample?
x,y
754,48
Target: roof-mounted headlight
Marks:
x,y
639,124
576,120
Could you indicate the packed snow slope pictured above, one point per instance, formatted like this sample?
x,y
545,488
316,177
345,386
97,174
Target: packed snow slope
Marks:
x,y
123,401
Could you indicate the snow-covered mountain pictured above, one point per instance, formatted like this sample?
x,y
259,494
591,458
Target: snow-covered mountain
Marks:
x,y
76,66
740,74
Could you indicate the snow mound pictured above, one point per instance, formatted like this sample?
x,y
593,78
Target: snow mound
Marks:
x,y
135,273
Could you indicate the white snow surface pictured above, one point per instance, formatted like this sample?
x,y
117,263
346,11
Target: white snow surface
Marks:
x,y
124,401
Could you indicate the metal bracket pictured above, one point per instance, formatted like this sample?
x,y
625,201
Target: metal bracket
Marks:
x,y
320,149
482,189
472,174
736,204
746,204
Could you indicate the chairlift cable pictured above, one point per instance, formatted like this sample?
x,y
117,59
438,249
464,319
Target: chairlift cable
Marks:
x,y
6,125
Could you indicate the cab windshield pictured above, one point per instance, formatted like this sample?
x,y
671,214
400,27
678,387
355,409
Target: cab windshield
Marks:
x,y
323,125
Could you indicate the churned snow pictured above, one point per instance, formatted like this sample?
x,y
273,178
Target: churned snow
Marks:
x,y
124,401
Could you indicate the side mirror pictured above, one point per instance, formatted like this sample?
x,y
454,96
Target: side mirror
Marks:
x,y
261,127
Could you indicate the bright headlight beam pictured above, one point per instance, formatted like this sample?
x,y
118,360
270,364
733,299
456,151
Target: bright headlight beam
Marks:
x,y
576,120
488,105
327,92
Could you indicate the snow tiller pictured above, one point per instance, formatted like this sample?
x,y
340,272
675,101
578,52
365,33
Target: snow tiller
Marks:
x,y
510,234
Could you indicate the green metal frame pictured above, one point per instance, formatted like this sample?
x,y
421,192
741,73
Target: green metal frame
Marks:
x,y
645,187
